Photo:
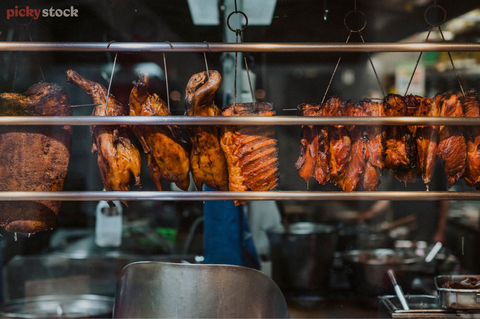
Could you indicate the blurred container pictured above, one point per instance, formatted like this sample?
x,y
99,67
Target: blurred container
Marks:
x,y
367,269
59,306
421,306
302,255
461,299
168,290
108,225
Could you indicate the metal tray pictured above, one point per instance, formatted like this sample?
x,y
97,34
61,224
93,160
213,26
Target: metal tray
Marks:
x,y
461,299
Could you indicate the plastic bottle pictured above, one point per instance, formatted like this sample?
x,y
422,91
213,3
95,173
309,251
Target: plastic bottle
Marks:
x,y
108,226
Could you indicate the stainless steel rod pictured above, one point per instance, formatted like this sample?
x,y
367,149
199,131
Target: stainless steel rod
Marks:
x,y
237,47
237,120
207,196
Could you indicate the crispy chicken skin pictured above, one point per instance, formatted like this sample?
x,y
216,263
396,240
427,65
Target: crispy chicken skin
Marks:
x,y
471,105
167,153
206,157
251,151
33,158
118,157
452,149
310,134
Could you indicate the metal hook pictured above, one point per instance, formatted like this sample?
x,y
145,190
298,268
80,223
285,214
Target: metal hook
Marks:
x,y
111,77
335,70
373,67
166,82
453,65
171,46
205,58
110,43
418,60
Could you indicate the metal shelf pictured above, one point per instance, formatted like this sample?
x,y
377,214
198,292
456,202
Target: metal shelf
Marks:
x,y
222,195
236,120
237,47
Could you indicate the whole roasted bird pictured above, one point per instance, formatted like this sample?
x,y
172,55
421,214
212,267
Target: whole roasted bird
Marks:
x,y
118,157
251,151
167,153
206,157
33,158
471,106
452,149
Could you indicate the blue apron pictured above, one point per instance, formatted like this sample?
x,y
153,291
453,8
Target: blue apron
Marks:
x,y
227,237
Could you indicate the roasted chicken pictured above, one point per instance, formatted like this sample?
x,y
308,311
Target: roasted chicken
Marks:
x,y
206,157
166,152
452,149
118,157
33,158
471,106
251,151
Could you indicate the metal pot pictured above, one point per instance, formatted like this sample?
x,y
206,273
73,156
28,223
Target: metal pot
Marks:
x,y
59,306
302,255
367,269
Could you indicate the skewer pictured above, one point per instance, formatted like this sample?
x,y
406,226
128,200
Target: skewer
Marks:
x,y
239,195
111,77
81,105
166,77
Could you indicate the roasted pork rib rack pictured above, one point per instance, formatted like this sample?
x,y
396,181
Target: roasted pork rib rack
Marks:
x,y
251,151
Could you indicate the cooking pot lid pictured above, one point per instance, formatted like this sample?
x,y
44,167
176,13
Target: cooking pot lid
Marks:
x,y
302,228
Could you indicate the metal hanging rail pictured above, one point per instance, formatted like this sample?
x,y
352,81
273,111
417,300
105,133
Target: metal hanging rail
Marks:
x,y
237,120
237,47
211,195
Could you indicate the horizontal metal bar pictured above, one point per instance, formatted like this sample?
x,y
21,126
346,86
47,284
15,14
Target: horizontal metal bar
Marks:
x,y
235,120
237,47
208,196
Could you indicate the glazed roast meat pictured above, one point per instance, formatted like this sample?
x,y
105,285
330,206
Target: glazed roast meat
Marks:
x,y
309,143
375,136
399,145
206,156
118,157
427,138
452,149
33,158
471,106
166,152
251,151
339,141
358,157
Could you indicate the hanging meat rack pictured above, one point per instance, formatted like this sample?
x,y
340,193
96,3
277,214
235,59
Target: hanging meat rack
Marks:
x,y
276,120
